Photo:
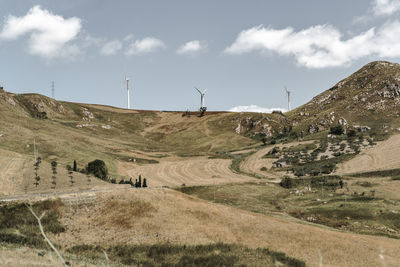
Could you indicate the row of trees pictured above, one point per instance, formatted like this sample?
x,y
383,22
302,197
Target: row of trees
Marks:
x,y
138,182
97,168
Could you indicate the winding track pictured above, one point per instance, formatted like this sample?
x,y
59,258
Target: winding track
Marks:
x,y
255,162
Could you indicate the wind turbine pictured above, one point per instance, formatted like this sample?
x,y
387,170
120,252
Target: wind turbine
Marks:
x,y
127,90
288,97
202,94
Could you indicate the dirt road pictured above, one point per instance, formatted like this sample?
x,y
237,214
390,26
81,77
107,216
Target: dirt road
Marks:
x,y
255,162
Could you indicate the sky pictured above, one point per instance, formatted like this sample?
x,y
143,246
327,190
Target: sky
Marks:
x,y
243,52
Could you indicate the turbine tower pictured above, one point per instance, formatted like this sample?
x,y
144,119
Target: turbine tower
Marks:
x,y
127,90
288,97
202,94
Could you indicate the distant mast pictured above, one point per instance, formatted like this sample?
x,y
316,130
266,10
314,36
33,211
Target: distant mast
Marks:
x,y
127,91
52,89
288,97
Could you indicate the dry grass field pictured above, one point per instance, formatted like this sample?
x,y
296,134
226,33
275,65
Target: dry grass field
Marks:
x,y
138,216
385,155
175,171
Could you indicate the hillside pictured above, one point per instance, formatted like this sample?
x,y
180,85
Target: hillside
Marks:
x,y
252,181
369,97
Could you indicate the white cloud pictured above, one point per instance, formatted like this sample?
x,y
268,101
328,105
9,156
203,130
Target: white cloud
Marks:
x,y
144,46
49,34
111,48
320,46
192,48
129,37
385,7
255,108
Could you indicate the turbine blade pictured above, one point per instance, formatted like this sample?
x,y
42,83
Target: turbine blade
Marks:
x,y
198,90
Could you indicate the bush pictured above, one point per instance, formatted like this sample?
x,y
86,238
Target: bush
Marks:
x,y
352,133
337,130
98,168
286,183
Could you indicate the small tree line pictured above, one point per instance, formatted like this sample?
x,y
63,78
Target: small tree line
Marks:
x,y
138,182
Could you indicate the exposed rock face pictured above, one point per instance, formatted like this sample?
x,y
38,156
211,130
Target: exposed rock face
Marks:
x,y
87,115
260,124
343,121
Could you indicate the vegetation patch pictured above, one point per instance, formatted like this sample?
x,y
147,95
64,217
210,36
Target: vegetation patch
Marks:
x,y
325,181
320,200
19,226
380,173
218,254
122,214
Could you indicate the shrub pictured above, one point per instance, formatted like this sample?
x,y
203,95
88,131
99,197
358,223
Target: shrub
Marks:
x,y
352,133
337,130
299,171
286,182
98,168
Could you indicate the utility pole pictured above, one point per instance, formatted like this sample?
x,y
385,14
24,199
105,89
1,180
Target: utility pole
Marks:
x,y
127,90
34,149
52,89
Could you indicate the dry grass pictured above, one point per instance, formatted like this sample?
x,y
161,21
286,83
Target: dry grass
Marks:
x,y
175,171
385,155
11,256
181,219
121,214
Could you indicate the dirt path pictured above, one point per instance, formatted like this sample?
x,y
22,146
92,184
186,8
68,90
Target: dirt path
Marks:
x,y
385,155
76,196
188,171
255,162
114,218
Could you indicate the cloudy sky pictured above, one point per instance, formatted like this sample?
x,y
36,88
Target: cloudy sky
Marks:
x,y
243,52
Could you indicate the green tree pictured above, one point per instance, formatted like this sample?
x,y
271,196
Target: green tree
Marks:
x,y
98,168
337,130
75,167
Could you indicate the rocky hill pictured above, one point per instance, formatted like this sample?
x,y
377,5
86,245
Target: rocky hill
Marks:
x,y
369,99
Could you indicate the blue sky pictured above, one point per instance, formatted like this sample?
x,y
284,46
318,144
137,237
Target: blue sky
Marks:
x,y
243,52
